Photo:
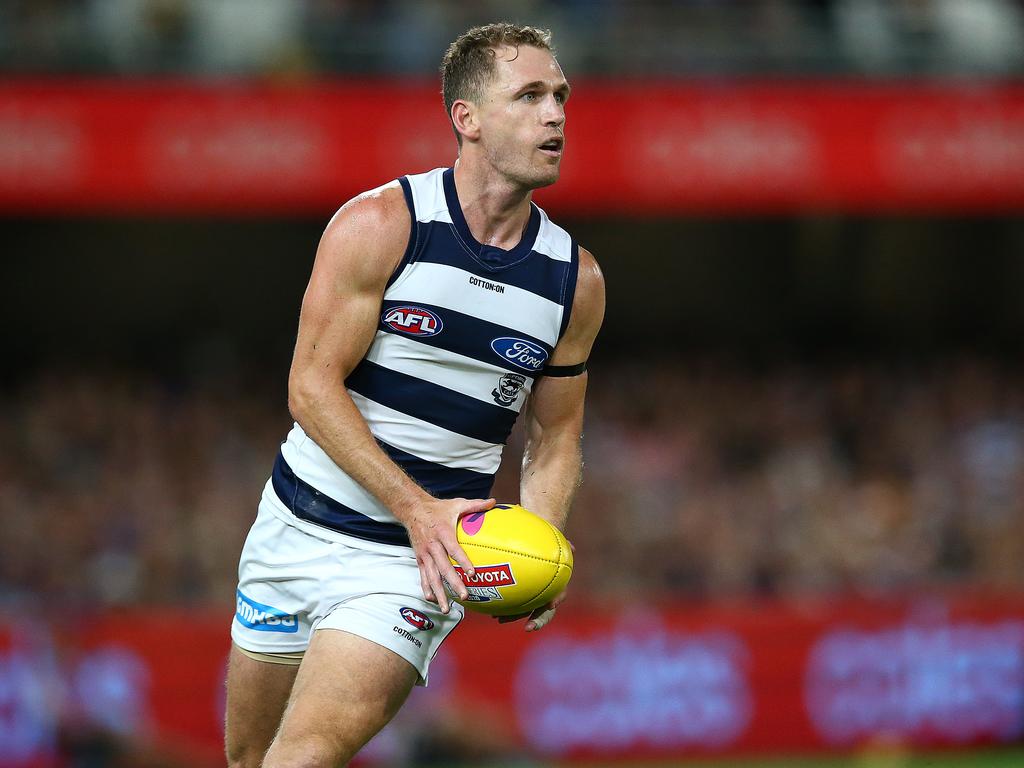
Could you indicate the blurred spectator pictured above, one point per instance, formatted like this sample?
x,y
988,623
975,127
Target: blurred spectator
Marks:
x,y
868,33
240,36
983,36
142,36
663,37
705,481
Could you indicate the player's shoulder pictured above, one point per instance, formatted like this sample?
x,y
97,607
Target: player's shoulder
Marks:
x,y
589,298
587,313
588,263
379,210
368,235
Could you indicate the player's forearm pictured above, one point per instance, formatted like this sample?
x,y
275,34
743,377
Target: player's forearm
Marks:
x,y
551,474
329,416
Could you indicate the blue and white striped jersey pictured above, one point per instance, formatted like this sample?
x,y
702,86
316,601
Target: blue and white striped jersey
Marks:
x,y
464,331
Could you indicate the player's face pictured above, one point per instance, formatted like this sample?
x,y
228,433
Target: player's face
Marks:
x,y
522,116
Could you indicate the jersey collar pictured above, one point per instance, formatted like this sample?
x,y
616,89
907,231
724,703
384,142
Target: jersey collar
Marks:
x,y
489,256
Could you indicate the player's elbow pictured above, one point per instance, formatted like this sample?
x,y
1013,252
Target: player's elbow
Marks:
x,y
303,394
553,445
296,403
558,436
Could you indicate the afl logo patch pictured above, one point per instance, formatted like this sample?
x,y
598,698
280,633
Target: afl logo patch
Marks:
x,y
521,353
414,321
417,619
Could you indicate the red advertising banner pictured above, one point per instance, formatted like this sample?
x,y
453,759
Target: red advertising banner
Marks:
x,y
637,149
640,682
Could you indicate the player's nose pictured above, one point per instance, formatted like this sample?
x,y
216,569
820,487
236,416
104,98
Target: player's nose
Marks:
x,y
554,112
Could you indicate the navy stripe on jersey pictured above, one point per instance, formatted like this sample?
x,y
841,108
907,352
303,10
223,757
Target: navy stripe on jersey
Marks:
x,y
415,235
569,289
432,403
466,335
307,503
440,481
540,275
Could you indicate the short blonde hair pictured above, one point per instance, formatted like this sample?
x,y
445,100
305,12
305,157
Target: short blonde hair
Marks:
x,y
468,64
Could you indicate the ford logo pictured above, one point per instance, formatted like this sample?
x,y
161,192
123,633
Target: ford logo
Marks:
x,y
521,353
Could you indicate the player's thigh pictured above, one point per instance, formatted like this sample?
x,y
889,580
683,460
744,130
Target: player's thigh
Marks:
x,y
256,698
347,689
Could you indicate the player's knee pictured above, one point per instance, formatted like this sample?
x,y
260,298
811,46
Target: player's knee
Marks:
x,y
308,751
240,757
245,748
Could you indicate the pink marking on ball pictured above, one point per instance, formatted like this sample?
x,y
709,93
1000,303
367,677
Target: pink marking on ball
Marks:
x,y
472,524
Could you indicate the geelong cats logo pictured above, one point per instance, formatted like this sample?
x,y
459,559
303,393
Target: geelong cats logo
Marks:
x,y
508,388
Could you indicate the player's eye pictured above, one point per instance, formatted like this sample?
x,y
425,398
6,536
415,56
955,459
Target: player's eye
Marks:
x,y
529,96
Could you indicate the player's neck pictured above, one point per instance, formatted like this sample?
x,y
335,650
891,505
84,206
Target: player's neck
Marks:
x,y
496,210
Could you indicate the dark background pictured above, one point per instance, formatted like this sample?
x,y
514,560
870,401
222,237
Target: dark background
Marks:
x,y
198,297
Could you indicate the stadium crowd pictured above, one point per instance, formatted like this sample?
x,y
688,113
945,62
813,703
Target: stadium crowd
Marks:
x,y
293,39
700,480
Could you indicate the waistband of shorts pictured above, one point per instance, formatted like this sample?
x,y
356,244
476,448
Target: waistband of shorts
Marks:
x,y
307,503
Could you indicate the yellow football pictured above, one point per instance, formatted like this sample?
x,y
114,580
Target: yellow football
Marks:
x,y
522,561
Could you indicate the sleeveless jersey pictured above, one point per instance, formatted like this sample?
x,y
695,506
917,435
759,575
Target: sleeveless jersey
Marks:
x,y
464,331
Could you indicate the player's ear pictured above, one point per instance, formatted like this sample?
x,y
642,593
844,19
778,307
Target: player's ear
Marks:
x,y
464,118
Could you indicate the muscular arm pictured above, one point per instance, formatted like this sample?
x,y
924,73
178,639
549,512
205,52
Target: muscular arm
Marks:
x,y
552,458
360,249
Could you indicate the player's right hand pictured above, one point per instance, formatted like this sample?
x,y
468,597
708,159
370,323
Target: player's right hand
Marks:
x,y
433,538
539,618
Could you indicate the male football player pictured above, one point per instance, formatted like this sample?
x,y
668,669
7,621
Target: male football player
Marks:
x,y
439,307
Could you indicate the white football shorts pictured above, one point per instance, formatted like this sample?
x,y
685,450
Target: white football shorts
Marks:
x,y
291,583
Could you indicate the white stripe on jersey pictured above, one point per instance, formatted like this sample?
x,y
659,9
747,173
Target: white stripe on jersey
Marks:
x,y
553,241
428,441
428,196
448,287
456,372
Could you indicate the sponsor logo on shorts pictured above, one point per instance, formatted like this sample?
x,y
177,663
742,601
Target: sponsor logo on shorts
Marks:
x,y
414,321
407,635
263,618
417,619
520,352
483,586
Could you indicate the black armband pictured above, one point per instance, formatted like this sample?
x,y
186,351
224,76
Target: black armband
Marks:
x,y
561,371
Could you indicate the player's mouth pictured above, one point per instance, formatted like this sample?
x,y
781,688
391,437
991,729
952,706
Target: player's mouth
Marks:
x,y
552,147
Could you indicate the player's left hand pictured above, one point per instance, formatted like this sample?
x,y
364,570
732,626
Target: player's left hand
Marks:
x,y
539,618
